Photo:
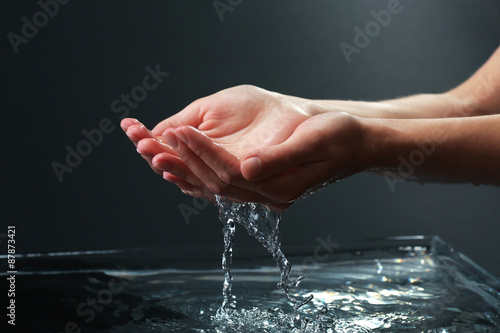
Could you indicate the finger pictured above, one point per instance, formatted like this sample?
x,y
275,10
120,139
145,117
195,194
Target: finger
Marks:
x,y
200,169
136,132
175,166
297,181
125,123
225,165
191,115
186,187
149,147
212,182
152,146
270,161
149,159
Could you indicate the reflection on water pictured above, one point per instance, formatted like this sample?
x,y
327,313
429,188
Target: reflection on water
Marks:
x,y
413,289
419,293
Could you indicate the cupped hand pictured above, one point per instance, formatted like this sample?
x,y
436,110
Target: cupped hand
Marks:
x,y
239,120
321,149
250,144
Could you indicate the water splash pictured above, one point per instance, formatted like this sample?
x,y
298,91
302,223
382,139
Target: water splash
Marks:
x,y
228,228
263,224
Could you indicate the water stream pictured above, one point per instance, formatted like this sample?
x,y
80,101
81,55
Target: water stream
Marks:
x,y
263,224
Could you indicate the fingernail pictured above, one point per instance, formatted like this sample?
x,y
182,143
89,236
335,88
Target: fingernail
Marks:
x,y
170,139
126,123
183,137
253,166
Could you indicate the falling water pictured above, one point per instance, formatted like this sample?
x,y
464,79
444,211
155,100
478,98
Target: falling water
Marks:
x,y
263,224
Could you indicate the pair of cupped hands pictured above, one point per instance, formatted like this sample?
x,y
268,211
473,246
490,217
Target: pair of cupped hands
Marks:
x,y
250,145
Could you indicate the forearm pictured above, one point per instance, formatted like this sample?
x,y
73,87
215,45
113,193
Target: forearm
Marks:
x,y
412,107
465,150
479,95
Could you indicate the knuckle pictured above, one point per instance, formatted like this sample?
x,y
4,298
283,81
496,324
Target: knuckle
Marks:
x,y
200,152
214,188
141,144
179,174
233,170
187,159
225,176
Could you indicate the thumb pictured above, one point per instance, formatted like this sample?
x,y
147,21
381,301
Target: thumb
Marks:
x,y
270,161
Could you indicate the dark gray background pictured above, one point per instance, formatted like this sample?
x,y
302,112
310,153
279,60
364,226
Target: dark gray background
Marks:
x,y
64,80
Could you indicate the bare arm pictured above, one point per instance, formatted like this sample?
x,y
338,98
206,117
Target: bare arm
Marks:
x,y
450,150
479,95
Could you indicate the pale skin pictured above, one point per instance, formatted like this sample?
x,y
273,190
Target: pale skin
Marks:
x,y
250,144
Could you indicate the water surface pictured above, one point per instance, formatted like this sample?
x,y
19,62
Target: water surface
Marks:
x,y
367,286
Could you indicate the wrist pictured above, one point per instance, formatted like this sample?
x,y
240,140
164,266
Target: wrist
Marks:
x,y
383,141
412,142
356,108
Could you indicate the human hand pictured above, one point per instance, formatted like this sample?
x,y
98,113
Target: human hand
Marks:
x,y
239,119
209,139
323,148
